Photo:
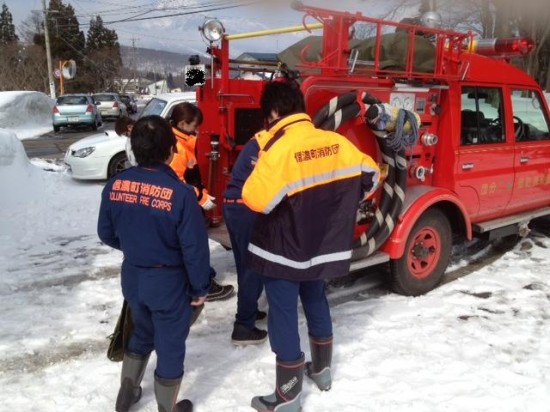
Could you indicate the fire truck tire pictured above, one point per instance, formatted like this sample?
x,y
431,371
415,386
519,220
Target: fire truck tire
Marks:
x,y
426,256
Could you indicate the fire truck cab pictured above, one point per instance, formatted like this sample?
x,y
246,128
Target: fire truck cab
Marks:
x,y
463,136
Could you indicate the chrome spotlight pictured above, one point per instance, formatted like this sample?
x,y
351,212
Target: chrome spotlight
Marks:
x,y
212,30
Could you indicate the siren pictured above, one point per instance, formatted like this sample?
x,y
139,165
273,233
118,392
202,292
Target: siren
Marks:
x,y
517,46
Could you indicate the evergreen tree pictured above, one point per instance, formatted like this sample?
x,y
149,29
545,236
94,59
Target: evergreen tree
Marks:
x,y
67,41
99,37
103,52
7,28
170,81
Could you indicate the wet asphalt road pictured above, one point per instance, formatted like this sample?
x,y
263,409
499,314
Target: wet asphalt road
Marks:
x,y
54,145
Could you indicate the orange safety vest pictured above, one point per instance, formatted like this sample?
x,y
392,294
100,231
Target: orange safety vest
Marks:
x,y
185,163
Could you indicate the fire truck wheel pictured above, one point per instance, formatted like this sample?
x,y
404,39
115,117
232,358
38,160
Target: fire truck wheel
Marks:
x,y
426,255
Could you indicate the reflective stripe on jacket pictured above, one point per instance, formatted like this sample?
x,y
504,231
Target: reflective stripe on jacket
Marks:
x,y
307,184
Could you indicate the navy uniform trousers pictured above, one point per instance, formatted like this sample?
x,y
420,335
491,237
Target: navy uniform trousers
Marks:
x,y
161,313
282,321
239,220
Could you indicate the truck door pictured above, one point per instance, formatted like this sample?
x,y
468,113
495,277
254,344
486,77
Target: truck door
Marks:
x,y
485,157
532,150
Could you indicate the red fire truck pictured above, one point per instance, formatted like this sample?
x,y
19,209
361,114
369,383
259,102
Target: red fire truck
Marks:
x,y
462,135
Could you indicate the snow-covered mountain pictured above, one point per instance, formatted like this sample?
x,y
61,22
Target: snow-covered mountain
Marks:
x,y
150,60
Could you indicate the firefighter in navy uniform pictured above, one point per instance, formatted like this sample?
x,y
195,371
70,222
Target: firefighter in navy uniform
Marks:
x,y
154,219
185,119
239,220
306,186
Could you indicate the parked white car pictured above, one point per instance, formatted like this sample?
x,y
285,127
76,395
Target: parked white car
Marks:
x,y
102,155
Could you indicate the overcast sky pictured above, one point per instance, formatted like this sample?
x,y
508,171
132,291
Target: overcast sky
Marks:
x,y
180,33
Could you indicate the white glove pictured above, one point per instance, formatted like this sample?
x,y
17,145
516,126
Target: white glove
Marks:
x,y
209,204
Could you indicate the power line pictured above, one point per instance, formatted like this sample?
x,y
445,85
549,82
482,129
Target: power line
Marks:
x,y
165,7
129,19
196,10
84,57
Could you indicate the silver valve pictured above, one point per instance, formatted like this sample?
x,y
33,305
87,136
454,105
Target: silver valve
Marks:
x,y
429,139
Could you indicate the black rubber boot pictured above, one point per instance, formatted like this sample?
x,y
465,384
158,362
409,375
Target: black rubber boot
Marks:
x,y
288,389
166,393
133,368
318,370
196,311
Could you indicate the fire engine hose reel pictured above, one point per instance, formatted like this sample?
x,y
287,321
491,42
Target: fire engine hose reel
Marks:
x,y
388,125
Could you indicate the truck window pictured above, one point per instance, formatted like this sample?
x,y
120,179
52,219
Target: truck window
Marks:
x,y
530,121
481,116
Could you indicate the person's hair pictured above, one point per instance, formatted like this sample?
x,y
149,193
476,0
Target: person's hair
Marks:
x,y
122,124
151,140
183,111
199,116
283,97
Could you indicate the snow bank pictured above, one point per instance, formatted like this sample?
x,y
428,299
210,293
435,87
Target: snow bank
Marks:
x,y
15,170
37,207
28,114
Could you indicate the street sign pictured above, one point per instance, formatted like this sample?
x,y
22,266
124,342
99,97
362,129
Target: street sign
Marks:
x,y
57,73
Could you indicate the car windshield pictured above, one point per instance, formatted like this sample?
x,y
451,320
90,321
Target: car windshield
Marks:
x,y
155,106
105,97
72,100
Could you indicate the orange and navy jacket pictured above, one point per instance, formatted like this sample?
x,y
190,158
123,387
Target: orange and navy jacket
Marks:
x,y
154,219
185,163
306,184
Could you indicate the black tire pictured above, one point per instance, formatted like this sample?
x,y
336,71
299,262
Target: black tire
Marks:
x,y
94,126
117,164
426,256
56,129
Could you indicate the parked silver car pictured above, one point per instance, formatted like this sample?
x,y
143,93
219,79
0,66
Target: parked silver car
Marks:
x,y
75,110
110,105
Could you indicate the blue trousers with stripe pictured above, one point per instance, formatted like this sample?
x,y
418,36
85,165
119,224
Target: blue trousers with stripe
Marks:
x,y
161,313
239,220
282,323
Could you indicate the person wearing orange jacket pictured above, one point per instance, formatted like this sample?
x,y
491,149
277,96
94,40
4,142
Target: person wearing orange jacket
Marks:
x,y
185,119
306,187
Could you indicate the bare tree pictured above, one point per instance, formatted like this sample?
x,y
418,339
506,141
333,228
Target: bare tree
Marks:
x,y
504,19
23,68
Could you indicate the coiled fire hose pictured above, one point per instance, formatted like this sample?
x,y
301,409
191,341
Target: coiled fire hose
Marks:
x,y
342,108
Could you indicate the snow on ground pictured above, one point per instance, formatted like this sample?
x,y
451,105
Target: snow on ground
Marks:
x,y
28,114
479,343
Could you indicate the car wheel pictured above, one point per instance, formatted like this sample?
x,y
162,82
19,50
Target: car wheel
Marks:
x,y
56,129
117,164
94,126
426,255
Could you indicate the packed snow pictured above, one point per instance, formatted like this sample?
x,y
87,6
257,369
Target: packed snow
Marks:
x,y
478,343
28,114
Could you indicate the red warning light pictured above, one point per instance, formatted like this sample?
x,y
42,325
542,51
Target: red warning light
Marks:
x,y
519,46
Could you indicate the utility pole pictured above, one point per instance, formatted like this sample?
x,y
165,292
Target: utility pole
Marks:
x,y
48,51
134,66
